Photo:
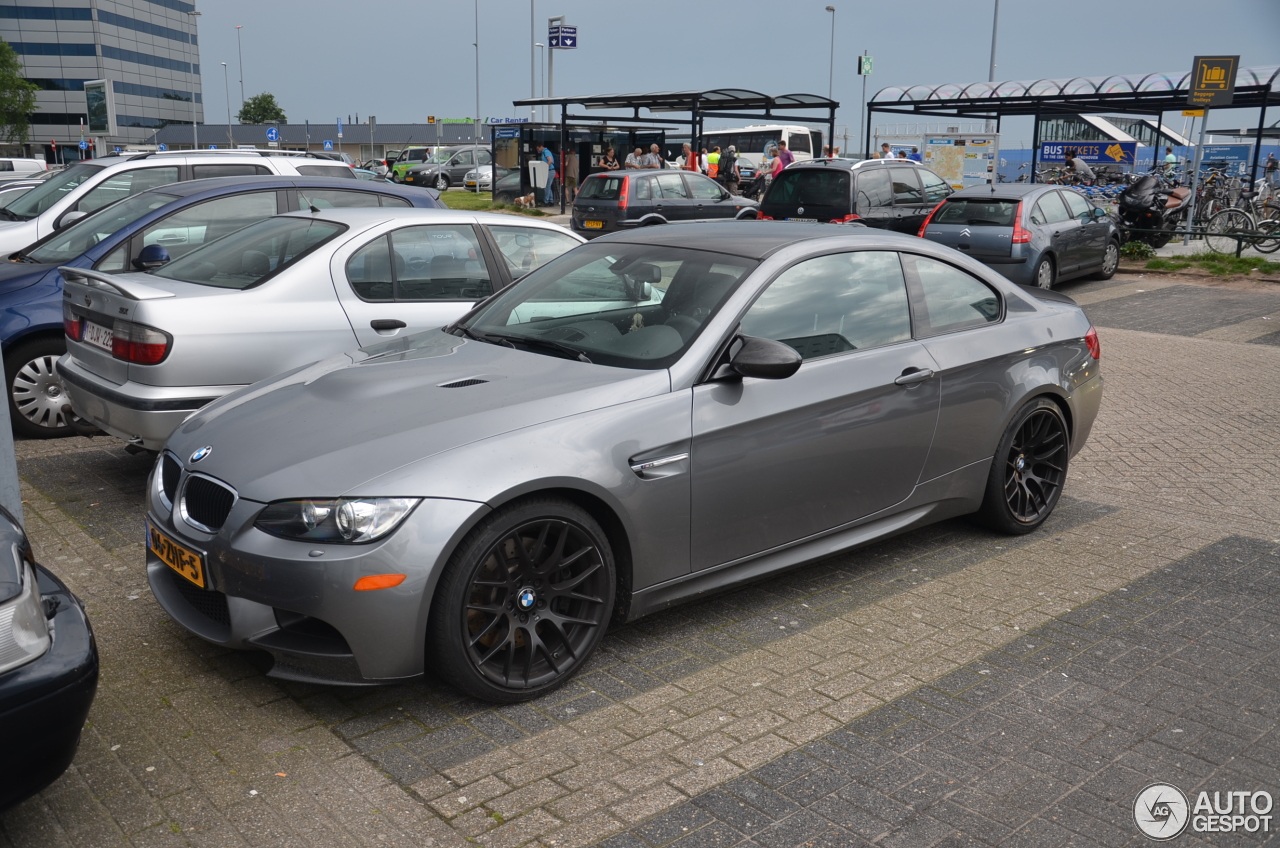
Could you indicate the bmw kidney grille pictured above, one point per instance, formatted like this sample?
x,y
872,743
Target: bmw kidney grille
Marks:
x,y
206,503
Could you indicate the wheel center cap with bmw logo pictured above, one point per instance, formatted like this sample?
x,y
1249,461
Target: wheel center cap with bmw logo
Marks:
x,y
202,453
1021,463
526,599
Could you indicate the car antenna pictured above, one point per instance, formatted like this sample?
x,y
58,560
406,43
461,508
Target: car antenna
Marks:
x,y
310,205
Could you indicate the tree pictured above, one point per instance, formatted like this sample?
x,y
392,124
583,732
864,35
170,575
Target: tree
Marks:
x,y
17,97
261,109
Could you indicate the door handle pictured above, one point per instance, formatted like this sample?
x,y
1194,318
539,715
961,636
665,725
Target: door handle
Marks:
x,y
381,324
914,375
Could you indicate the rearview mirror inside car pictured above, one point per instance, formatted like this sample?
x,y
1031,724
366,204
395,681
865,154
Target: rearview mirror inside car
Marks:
x,y
765,358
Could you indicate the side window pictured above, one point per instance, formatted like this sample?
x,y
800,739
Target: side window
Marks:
x,y
526,248
671,187
433,262
702,188
115,260
874,188
936,189
906,186
798,143
1080,209
201,223
208,172
644,189
126,184
1049,210
483,158
387,200
950,299
464,158
833,304
332,198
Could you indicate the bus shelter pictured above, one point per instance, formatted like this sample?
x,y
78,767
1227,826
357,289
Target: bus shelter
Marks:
x,y
722,103
514,147
1134,94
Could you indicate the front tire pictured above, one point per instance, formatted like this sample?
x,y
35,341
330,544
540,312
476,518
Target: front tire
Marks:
x,y
442,183
1028,471
1110,261
36,395
523,601
1045,274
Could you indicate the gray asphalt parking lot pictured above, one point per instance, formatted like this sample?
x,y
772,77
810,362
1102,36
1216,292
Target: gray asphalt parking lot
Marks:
x,y
945,687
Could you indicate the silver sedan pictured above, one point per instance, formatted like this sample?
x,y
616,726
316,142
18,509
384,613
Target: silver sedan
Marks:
x,y
647,418
146,350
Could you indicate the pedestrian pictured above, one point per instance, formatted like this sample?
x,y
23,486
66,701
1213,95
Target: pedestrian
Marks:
x,y
785,156
689,159
713,162
1271,171
1170,161
730,176
610,161
826,151
1078,168
885,152
633,159
545,155
570,174
902,154
915,156
652,159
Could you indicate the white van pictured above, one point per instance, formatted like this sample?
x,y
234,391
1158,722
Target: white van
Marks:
x,y
16,169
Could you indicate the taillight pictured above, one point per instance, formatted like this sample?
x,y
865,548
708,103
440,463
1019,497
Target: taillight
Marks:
x,y
622,193
925,225
1021,236
1095,346
846,219
760,217
138,343
72,323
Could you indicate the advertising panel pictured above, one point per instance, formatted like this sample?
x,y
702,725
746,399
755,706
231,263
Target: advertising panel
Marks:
x,y
101,107
1236,157
1092,152
962,160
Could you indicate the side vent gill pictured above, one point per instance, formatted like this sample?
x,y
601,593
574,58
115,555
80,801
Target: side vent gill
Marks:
x,y
462,384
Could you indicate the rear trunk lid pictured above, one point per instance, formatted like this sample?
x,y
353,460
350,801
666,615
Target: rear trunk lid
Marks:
x,y
809,194
600,203
982,227
95,302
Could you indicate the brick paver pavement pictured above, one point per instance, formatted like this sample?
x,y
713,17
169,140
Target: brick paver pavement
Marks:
x,y
191,745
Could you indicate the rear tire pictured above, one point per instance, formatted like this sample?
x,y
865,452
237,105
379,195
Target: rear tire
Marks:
x,y
1045,274
1028,470
36,395
1226,221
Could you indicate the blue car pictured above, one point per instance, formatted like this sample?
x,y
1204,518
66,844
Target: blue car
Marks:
x,y
179,218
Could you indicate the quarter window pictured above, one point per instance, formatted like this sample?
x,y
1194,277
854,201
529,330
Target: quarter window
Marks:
x,y
949,299
329,198
906,186
936,189
435,262
833,304
126,184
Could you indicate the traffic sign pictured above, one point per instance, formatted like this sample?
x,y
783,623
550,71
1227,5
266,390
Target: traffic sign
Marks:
x,y
328,145
1213,81
84,145
562,37
864,66
116,149
273,134
1193,113
339,128
213,147
161,147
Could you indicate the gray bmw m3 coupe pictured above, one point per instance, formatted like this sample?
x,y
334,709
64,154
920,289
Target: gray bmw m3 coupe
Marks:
x,y
650,417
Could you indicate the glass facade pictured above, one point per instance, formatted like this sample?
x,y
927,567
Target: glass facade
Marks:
x,y
147,48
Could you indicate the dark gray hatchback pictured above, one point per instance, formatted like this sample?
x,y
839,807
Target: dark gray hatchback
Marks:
x,y
889,194
1034,235
622,200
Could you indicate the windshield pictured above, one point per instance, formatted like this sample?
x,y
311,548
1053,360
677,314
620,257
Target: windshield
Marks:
x,y
41,198
65,245
247,257
440,157
627,305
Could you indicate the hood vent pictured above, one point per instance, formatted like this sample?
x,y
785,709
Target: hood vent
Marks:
x,y
462,384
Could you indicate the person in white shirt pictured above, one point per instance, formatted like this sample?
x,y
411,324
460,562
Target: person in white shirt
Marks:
x,y
633,159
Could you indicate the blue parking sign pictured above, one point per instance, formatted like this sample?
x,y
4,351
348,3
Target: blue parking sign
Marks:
x,y
163,147
273,134
328,145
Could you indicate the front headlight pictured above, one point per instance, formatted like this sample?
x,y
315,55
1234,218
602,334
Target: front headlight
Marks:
x,y
338,520
24,631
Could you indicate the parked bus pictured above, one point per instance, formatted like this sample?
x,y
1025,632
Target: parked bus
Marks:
x,y
751,142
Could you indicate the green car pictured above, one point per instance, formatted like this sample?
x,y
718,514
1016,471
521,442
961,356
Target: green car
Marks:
x,y
408,157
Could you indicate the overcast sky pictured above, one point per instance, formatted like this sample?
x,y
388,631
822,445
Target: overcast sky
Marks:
x,y
402,60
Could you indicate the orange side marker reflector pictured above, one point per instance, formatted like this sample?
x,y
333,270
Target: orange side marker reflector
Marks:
x,y
378,581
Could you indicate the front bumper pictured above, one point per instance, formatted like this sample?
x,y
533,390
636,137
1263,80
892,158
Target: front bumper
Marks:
x,y
272,594
44,703
140,414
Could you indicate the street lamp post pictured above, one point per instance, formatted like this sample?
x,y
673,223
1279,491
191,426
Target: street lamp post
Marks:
x,y
831,66
195,135
241,52
533,34
226,81
477,46
542,66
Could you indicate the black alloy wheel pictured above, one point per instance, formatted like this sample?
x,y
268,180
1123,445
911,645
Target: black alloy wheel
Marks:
x,y
1028,471
524,601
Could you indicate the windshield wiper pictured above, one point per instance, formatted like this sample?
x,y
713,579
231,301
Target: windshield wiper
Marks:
x,y
482,337
572,352
983,221
24,258
10,215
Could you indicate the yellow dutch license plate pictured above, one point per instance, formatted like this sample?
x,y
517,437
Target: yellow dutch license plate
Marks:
x,y
593,225
186,562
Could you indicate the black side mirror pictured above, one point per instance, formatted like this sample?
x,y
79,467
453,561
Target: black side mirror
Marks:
x,y
151,258
765,359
